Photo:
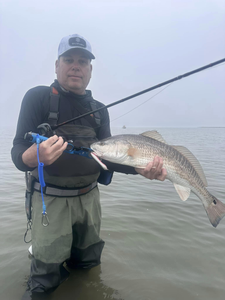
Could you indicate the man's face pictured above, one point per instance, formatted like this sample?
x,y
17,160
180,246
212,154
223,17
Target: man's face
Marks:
x,y
73,71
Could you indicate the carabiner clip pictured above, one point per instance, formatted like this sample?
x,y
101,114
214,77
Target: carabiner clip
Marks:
x,y
29,225
45,220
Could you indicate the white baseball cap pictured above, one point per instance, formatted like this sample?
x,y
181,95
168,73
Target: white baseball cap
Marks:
x,y
72,42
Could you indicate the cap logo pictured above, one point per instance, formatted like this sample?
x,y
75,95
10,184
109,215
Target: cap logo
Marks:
x,y
77,42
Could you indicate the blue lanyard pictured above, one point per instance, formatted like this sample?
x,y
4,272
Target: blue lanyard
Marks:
x,y
45,220
36,138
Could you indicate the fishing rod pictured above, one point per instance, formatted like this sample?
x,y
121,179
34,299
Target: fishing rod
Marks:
x,y
140,93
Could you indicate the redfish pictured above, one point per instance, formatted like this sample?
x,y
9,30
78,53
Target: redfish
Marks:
x,y
183,168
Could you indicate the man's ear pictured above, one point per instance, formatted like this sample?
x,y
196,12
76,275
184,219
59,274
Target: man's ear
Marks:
x,y
56,65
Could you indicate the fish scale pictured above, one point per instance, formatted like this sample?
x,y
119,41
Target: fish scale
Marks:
x,y
183,169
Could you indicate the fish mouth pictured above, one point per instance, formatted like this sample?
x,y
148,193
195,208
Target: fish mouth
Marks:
x,y
95,157
96,153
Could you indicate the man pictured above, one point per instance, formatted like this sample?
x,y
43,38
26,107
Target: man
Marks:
x,y
71,194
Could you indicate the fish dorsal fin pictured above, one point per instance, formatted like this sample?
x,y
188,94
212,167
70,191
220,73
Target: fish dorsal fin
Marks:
x,y
193,160
154,135
183,192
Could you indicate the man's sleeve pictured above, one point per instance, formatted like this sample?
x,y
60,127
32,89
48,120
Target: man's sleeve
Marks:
x,y
30,117
119,168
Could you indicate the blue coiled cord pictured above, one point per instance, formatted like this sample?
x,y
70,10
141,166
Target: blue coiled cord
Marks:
x,y
45,220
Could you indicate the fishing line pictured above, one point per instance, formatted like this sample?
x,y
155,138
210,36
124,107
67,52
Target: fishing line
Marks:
x,y
206,70
143,92
141,103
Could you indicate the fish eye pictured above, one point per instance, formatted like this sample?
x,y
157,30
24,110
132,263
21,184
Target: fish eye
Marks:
x,y
102,143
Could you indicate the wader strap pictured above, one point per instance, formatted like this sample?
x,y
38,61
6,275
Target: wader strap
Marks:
x,y
82,110
94,120
54,107
96,114
64,192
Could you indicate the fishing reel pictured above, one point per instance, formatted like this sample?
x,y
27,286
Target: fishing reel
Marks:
x,y
45,129
34,137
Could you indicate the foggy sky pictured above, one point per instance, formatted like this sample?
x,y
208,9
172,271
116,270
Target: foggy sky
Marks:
x,y
137,44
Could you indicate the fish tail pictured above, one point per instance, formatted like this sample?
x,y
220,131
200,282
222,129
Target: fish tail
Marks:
x,y
215,211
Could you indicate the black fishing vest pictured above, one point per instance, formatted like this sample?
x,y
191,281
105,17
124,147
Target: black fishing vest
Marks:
x,y
70,165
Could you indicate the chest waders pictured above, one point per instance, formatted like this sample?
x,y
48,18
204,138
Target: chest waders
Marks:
x,y
72,235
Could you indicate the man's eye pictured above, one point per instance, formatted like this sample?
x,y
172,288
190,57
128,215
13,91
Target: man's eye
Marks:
x,y
83,62
68,60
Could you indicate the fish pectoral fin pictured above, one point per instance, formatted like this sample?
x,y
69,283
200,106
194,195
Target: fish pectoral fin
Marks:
x,y
182,191
133,152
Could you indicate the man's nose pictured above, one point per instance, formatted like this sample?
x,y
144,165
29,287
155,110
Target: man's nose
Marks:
x,y
76,66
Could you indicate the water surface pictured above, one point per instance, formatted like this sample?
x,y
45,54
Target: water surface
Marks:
x,y
157,247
